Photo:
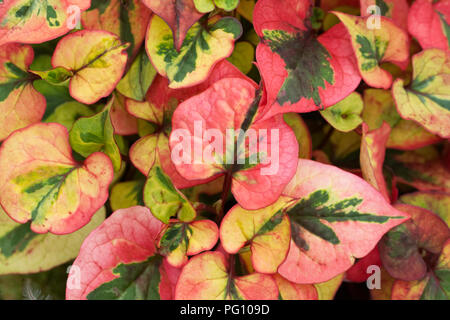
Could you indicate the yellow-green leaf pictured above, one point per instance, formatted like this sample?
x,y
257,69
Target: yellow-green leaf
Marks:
x,y
200,51
138,79
68,112
41,182
97,61
345,115
96,133
243,56
374,45
23,251
427,99
164,200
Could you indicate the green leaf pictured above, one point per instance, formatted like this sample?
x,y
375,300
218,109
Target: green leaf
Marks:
x,y
138,79
96,133
164,200
307,63
135,281
345,115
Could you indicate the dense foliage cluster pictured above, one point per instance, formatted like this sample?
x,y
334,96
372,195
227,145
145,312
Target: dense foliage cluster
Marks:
x,y
346,181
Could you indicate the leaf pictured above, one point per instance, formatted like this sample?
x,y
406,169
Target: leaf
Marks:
x,y
180,15
201,50
135,83
295,121
301,72
119,260
328,5
135,281
373,148
345,115
427,100
68,112
428,22
207,277
437,202
204,6
435,286
123,122
227,5
59,76
22,250
379,106
294,291
126,19
265,231
97,64
94,134
35,21
401,248
127,194
20,104
40,181
164,200
246,8
158,108
397,10
243,56
187,239
327,290
373,46
360,271
231,104
330,212
421,168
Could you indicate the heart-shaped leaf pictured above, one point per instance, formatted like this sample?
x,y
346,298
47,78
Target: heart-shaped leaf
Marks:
x,y
435,285
121,262
289,45
97,64
345,115
259,165
35,21
372,46
209,276
45,184
427,99
187,239
330,212
401,248
266,232
164,200
202,48
96,133
20,104
21,250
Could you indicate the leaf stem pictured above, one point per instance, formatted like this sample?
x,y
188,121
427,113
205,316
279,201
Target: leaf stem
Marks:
x,y
225,192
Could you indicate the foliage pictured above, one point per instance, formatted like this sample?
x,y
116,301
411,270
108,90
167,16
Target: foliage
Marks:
x,y
224,149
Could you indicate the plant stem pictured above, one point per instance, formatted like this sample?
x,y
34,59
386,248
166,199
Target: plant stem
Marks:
x,y
225,192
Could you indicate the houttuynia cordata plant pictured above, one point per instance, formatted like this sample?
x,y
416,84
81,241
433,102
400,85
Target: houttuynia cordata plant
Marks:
x,y
224,149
